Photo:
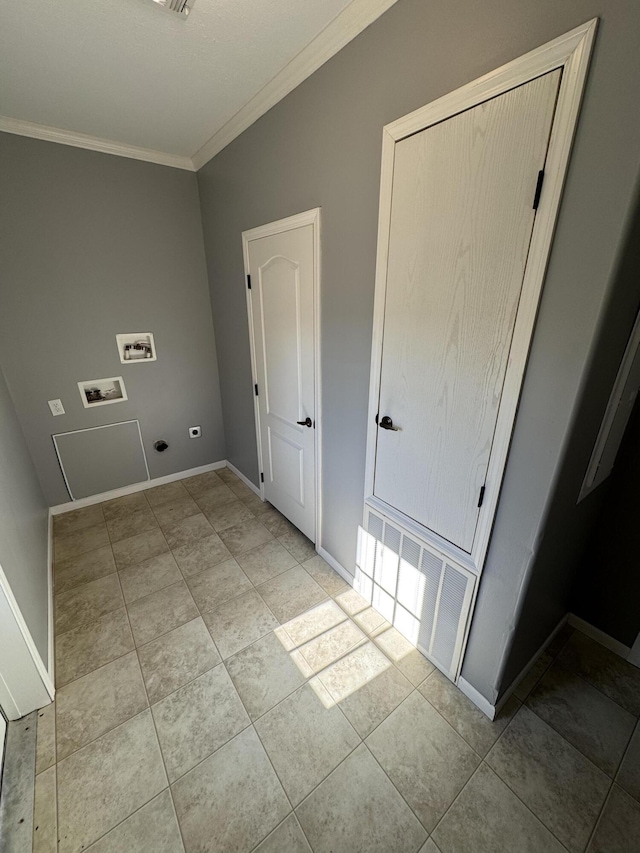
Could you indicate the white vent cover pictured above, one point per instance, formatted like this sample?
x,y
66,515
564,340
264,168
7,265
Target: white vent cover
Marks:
x,y
422,592
180,7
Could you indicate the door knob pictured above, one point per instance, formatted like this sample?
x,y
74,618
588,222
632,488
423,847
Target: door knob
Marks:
x,y
387,423
306,422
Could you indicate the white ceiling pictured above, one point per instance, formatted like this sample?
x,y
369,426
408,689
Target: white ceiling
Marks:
x,y
130,72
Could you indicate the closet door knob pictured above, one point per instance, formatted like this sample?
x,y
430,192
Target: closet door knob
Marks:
x,y
306,422
387,423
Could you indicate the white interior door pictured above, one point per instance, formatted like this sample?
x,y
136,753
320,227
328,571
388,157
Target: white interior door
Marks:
x,y
461,224
282,267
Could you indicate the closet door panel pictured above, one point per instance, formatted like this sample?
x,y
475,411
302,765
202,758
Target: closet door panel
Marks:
x,y
461,223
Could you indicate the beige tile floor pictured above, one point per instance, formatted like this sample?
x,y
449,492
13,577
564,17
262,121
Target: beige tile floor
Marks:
x,y
221,689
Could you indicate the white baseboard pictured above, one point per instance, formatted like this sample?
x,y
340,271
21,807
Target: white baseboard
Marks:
x,y
50,613
525,671
477,698
35,688
140,487
599,636
338,567
244,479
483,703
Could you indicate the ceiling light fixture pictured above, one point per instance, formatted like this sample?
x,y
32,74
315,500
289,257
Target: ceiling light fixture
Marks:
x,y
179,7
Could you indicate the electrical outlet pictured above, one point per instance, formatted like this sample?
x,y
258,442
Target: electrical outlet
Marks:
x,y
195,432
56,407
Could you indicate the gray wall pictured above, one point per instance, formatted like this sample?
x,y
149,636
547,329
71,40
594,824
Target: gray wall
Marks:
x,y
608,593
23,525
607,581
559,578
92,245
321,146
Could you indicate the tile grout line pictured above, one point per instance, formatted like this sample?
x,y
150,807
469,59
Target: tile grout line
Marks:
x,y
136,647
579,675
148,708
600,815
252,725
552,726
614,782
636,730
140,565
295,817
515,793
485,762
415,689
556,660
255,731
155,729
566,740
111,540
94,618
595,687
457,797
348,618
529,695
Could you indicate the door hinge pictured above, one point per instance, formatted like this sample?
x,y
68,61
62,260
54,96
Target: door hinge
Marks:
x,y
481,498
248,282
256,389
536,198
261,477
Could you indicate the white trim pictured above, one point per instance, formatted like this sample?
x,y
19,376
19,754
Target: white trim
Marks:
x,y
355,18
93,143
599,636
482,703
477,698
9,706
634,653
135,487
571,619
244,479
532,661
336,566
308,217
5,587
252,356
50,613
88,429
594,476
571,51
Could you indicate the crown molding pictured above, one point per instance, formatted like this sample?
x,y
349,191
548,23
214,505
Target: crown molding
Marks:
x,y
92,143
340,31
355,18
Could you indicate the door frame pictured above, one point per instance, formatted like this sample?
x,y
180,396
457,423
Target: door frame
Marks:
x,y
618,412
571,52
25,683
308,217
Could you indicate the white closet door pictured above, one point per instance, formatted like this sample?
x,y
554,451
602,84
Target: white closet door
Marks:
x,y
282,307
461,223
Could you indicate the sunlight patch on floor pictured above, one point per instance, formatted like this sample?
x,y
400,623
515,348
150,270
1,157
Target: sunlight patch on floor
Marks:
x,y
343,645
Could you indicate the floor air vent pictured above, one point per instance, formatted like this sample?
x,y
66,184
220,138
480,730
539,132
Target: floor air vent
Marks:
x,y
421,591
